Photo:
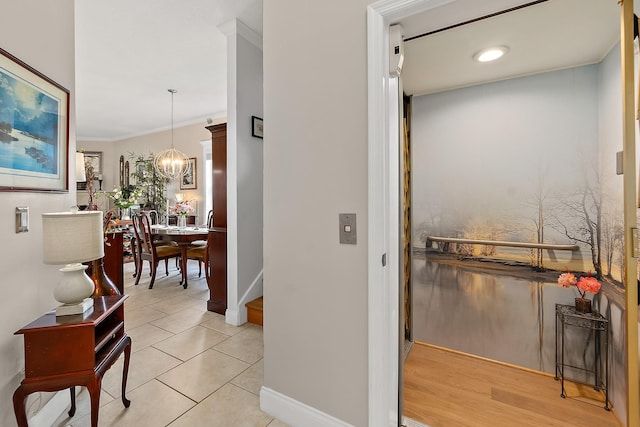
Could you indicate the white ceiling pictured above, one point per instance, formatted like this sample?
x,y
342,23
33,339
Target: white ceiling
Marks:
x,y
128,53
547,36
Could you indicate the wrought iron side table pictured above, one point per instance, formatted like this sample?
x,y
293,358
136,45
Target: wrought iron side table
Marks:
x,y
598,325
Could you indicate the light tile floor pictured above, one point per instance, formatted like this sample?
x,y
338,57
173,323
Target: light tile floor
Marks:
x,y
188,367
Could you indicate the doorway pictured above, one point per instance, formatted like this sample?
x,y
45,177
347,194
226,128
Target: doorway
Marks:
x,y
380,165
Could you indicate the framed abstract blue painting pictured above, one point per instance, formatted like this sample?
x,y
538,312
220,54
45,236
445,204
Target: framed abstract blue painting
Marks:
x,y
34,129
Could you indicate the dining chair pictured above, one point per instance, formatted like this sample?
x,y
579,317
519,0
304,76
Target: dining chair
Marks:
x,y
150,250
200,254
154,217
210,219
201,243
133,239
198,250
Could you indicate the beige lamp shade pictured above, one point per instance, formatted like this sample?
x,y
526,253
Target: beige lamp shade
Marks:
x,y
81,174
72,237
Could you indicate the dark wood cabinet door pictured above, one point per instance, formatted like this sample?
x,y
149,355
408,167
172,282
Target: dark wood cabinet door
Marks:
x,y
217,237
219,163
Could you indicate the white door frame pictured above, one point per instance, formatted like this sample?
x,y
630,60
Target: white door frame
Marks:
x,y
383,209
383,282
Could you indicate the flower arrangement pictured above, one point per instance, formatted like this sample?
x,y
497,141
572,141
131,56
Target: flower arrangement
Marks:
x,y
126,196
182,208
584,284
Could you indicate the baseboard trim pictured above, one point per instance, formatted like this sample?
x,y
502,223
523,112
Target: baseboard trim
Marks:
x,y
232,317
238,315
295,413
409,422
485,359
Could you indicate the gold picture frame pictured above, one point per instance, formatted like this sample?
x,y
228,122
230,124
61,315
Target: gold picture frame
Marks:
x,y
189,181
35,135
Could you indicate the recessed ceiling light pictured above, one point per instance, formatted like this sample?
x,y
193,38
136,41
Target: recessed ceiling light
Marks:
x,y
490,54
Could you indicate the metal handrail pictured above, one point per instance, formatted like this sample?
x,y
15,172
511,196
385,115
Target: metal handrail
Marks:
x,y
505,243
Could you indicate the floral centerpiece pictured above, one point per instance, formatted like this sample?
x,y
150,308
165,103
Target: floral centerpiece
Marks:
x,y
182,208
124,197
584,284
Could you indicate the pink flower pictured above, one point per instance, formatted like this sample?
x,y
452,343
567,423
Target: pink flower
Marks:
x,y
182,208
567,280
588,284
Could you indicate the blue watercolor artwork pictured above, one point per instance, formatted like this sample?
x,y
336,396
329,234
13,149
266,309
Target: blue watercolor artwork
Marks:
x,y
29,117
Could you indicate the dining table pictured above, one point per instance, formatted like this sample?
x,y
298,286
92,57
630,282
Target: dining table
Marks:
x,y
183,237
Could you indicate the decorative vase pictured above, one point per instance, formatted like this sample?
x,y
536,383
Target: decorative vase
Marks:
x,y
583,305
103,284
182,221
124,214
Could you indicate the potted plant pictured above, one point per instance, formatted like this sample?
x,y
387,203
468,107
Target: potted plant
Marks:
x,y
124,197
584,284
151,184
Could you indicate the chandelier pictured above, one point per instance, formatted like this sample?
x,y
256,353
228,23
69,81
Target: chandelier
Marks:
x,y
171,163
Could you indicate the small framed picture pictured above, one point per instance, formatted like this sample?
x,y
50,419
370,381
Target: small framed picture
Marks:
x,y
256,127
95,159
189,181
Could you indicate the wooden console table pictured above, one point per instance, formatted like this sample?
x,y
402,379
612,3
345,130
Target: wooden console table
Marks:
x,y
76,350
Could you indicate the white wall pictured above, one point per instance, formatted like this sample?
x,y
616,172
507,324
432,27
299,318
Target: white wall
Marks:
x,y
186,139
27,282
315,166
609,119
478,151
244,170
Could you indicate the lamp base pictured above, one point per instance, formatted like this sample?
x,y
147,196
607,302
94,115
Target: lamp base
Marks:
x,y
79,308
74,285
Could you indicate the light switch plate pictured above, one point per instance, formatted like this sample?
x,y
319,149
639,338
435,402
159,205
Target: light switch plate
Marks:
x,y
22,219
634,239
347,223
619,170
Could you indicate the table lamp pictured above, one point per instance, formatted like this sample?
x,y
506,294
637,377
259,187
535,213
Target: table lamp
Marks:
x,y
81,173
72,238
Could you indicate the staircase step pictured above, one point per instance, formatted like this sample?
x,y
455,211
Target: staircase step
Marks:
x,y
254,311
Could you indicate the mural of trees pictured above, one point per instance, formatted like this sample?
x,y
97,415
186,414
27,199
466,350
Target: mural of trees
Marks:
x,y
612,237
537,204
578,216
534,163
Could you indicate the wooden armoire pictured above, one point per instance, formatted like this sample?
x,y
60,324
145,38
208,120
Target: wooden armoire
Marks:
x,y
217,237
